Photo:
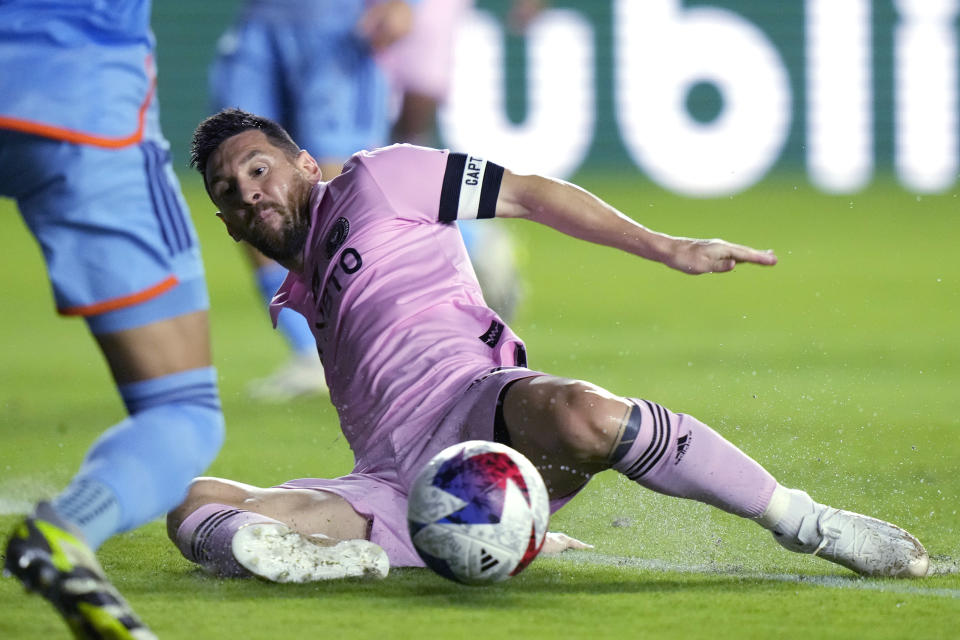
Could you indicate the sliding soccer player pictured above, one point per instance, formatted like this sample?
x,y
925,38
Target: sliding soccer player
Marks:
x,y
416,361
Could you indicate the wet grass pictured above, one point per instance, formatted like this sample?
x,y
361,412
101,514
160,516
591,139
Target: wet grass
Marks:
x,y
838,369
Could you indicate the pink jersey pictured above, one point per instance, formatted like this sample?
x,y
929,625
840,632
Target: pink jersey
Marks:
x,y
400,322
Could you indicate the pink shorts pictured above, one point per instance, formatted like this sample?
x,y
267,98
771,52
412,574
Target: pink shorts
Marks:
x,y
382,498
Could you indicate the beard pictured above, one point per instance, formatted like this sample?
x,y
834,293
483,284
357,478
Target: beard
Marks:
x,y
286,241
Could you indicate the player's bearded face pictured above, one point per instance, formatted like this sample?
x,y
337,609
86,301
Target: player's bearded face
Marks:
x,y
263,193
279,230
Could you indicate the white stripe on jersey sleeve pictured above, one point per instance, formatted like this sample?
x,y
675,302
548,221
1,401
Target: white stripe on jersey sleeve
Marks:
x,y
470,186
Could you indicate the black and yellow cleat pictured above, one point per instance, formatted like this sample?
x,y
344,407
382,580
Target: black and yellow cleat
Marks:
x,y
56,564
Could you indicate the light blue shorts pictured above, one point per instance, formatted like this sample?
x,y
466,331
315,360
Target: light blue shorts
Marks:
x,y
119,244
318,80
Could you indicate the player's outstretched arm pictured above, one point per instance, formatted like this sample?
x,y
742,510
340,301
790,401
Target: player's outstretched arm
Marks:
x,y
578,213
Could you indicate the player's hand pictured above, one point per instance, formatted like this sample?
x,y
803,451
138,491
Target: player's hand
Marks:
x,y
710,256
384,23
557,542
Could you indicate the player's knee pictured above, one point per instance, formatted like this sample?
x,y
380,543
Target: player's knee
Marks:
x,y
201,491
586,418
206,490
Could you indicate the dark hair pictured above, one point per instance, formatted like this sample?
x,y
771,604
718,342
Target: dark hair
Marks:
x,y
211,133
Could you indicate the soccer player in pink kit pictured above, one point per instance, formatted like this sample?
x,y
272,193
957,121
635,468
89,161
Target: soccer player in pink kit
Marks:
x,y
416,361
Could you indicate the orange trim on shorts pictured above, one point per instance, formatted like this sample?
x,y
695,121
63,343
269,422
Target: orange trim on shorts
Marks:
x,y
81,137
123,301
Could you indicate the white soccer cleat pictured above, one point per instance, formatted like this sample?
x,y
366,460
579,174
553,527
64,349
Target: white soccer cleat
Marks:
x,y
866,545
302,375
277,553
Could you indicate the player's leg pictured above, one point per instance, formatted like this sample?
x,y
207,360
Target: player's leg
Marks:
x,y
416,120
307,511
138,280
141,466
572,429
131,474
139,284
279,534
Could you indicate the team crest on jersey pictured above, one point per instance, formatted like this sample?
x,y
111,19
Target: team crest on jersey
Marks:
x,y
337,236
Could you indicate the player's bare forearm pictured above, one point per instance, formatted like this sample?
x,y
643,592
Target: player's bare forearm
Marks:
x,y
580,214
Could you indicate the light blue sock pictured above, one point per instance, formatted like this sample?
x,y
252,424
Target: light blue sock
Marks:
x,y
140,468
90,506
291,324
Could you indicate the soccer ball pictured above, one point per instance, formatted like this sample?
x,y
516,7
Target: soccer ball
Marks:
x,y
478,512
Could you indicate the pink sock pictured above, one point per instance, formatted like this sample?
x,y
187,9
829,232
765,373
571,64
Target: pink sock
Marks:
x,y
676,454
206,537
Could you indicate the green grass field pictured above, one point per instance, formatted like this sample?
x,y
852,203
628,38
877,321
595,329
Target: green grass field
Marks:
x,y
838,369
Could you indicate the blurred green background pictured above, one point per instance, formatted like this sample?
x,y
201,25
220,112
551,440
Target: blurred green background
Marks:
x,y
187,32
837,369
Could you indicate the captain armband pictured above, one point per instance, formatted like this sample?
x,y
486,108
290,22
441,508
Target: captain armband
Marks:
x,y
470,188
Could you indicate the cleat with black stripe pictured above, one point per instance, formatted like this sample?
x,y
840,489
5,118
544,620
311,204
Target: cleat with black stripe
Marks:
x,y
54,563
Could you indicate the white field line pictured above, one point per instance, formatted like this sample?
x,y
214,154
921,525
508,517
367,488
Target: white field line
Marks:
x,y
906,587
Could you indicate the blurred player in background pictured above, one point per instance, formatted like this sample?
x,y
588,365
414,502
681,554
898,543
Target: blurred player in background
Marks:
x,y
420,67
309,65
85,160
417,361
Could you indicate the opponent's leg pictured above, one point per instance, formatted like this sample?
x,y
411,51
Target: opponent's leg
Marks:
x,y
134,472
138,282
573,429
282,535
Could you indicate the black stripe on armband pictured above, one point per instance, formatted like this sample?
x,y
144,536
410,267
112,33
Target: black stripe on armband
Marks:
x,y
450,191
490,190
